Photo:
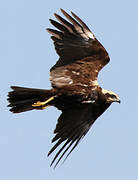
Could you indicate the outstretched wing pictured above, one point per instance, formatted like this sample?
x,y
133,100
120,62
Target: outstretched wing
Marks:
x,y
74,41
72,126
81,56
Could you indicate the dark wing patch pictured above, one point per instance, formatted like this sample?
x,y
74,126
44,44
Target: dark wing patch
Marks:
x,y
73,40
72,126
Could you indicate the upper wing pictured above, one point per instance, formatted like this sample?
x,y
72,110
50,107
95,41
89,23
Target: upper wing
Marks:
x,y
74,41
72,126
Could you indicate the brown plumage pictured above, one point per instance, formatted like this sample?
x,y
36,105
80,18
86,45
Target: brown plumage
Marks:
x,y
75,90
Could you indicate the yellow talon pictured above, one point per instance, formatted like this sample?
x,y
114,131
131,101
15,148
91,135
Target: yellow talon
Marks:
x,y
41,107
44,107
39,103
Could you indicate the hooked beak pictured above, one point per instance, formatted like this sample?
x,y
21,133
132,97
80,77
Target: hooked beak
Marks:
x,y
117,100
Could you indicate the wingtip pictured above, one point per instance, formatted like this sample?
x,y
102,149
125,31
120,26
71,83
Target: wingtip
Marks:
x,y
62,10
73,13
48,154
50,20
47,29
56,16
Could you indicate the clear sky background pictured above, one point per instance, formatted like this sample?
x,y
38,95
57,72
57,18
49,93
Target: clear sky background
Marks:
x,y
110,150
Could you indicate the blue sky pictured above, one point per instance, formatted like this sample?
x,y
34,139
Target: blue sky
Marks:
x,y
110,149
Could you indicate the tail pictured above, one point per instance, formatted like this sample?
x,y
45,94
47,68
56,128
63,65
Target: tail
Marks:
x,y
25,99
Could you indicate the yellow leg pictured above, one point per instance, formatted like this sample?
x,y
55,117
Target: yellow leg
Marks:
x,y
39,103
41,107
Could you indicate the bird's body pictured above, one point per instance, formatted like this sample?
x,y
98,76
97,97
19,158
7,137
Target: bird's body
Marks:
x,y
74,79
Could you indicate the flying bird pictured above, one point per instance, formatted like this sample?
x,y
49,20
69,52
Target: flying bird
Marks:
x,y
74,80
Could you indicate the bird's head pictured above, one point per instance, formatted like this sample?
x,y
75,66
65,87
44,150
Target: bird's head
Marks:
x,y
110,96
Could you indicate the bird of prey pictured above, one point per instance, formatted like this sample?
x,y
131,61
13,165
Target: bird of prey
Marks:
x,y
75,89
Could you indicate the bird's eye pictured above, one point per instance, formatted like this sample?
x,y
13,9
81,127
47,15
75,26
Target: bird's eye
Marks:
x,y
113,96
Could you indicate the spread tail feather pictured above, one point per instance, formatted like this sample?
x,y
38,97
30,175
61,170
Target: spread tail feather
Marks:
x,y
24,99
